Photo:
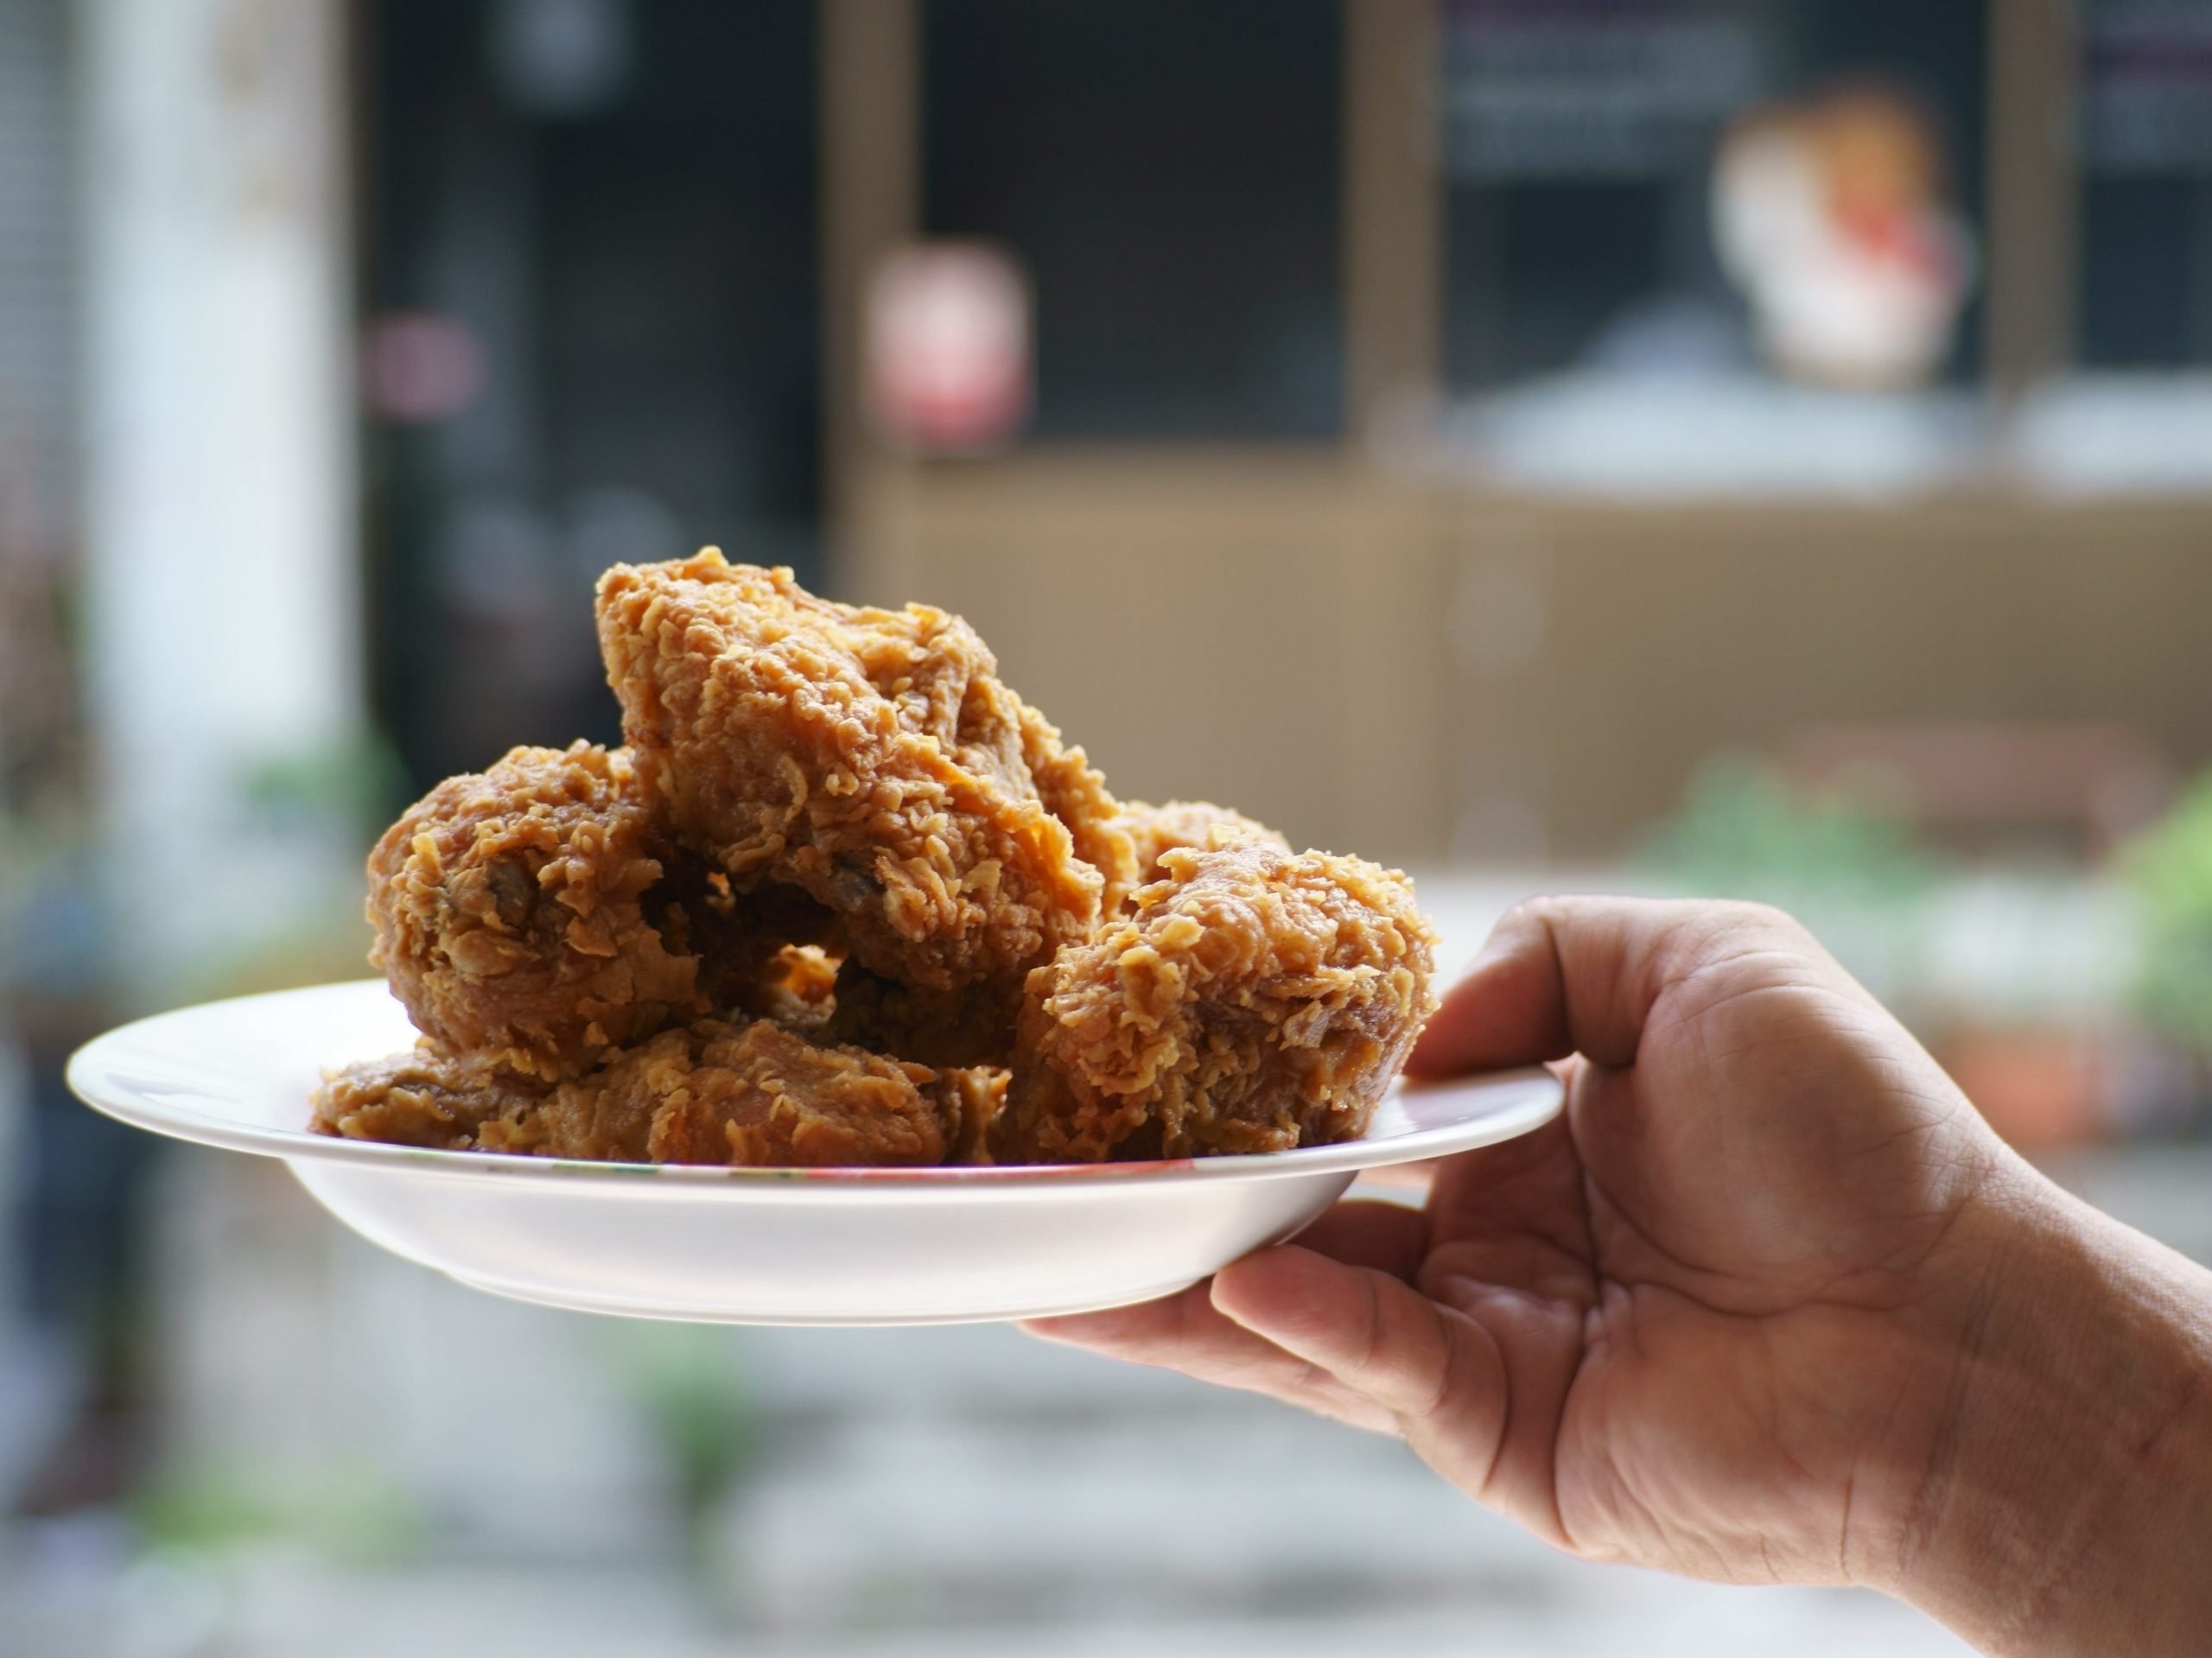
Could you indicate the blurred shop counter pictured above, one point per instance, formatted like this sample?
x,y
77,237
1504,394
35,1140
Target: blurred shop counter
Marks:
x,y
1400,653
1661,436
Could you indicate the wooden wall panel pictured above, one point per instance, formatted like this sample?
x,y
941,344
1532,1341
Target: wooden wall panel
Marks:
x,y
1415,674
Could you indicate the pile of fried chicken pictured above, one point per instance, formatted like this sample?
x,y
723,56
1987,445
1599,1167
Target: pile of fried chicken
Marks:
x,y
844,898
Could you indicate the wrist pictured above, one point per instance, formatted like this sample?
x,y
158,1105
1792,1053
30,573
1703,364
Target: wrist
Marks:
x,y
2066,1502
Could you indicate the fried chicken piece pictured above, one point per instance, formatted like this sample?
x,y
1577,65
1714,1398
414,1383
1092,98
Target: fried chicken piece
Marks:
x,y
753,1093
871,757
1251,1001
934,1027
1156,830
424,1097
509,913
757,1096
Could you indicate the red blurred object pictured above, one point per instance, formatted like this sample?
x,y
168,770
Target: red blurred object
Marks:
x,y
420,367
2041,1089
2102,781
948,348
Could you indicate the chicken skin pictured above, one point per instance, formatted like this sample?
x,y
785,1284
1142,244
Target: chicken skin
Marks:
x,y
1155,831
1249,1000
511,917
871,757
425,1097
754,1095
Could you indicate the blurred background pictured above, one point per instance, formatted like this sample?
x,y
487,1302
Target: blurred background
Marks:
x,y
1760,446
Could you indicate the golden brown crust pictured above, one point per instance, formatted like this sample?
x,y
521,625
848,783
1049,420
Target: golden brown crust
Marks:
x,y
871,757
1155,831
1250,1001
844,879
1074,790
797,988
423,1097
509,915
753,1093
756,1096
970,1097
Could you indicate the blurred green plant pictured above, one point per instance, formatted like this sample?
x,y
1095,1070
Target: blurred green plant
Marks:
x,y
356,782
212,1508
304,818
1856,877
2168,870
686,1379
329,801
1742,833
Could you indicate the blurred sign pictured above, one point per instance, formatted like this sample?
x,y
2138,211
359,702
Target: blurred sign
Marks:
x,y
1591,88
948,355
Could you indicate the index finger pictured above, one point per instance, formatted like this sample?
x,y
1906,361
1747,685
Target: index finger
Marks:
x,y
1187,1332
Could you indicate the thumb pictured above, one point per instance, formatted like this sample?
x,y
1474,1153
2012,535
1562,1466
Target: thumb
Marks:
x,y
1563,975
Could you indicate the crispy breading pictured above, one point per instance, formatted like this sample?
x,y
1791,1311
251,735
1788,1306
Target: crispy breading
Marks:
x,y
797,987
1250,1001
424,1097
871,757
970,1098
510,916
1155,831
1074,790
847,899
754,1094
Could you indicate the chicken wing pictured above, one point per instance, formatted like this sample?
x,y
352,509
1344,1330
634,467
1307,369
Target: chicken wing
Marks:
x,y
753,1093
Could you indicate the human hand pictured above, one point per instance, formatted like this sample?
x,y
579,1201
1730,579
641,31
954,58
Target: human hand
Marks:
x,y
1733,1314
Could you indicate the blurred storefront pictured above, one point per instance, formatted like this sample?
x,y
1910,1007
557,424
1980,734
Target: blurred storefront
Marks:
x,y
1452,459
1440,425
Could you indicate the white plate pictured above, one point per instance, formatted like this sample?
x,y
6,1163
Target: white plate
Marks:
x,y
749,1246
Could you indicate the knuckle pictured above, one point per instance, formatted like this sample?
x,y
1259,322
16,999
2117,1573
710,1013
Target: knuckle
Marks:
x,y
1530,915
1767,921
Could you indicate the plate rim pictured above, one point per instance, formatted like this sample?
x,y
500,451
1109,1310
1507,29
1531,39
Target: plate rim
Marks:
x,y
90,1078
